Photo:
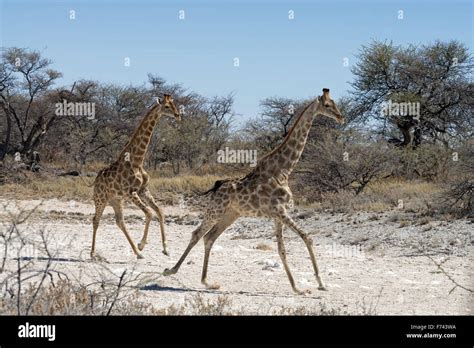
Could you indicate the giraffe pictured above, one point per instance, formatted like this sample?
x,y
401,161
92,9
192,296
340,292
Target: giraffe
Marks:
x,y
264,192
126,179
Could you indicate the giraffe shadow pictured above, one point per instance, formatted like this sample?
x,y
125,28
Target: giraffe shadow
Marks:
x,y
56,259
267,294
157,287
65,259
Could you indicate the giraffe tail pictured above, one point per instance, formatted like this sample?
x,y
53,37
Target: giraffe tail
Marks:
x,y
216,186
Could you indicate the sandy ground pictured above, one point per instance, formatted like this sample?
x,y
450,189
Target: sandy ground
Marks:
x,y
370,262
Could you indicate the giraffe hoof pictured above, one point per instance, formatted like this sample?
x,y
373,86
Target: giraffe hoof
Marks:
x,y
302,292
322,288
166,252
140,256
141,246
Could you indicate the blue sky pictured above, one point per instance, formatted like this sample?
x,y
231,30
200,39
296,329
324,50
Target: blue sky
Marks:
x,y
278,56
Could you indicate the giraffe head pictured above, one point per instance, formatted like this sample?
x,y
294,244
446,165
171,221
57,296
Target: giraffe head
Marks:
x,y
168,108
327,107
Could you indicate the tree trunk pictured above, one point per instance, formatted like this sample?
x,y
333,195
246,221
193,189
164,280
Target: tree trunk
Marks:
x,y
406,135
417,137
175,166
6,142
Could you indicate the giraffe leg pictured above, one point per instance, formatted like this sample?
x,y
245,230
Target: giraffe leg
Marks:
x,y
117,205
195,237
99,209
148,214
210,238
288,221
282,253
148,197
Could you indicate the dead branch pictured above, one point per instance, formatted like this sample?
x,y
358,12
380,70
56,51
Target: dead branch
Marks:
x,y
456,284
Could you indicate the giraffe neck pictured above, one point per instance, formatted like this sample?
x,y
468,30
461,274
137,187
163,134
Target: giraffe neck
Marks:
x,y
283,159
135,149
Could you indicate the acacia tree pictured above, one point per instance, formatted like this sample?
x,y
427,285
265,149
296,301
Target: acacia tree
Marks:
x,y
117,109
436,76
275,120
204,129
278,115
26,99
6,81
219,111
460,193
347,160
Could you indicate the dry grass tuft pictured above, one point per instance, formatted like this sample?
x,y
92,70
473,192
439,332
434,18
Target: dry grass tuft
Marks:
x,y
380,196
199,305
65,298
79,188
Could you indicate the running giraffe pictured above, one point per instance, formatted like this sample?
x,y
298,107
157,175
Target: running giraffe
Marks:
x,y
127,179
264,192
